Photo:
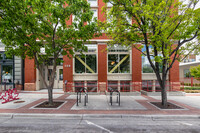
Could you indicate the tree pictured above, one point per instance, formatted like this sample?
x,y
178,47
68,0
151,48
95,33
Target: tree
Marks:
x,y
164,27
27,26
195,72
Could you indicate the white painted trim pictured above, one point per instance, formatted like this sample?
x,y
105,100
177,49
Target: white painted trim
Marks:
x,y
189,63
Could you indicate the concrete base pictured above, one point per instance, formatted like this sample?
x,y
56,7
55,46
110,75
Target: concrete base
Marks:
x,y
30,86
171,93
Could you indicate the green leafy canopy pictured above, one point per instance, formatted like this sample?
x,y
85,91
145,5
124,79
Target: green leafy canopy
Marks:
x,y
29,25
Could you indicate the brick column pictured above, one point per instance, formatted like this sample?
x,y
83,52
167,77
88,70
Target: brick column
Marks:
x,y
67,71
30,75
136,69
101,14
102,66
174,76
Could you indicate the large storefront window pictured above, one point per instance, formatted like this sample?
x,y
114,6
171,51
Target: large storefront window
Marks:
x,y
7,74
118,59
6,69
118,63
86,63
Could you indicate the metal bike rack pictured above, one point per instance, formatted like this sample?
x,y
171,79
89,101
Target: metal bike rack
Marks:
x,y
111,95
78,99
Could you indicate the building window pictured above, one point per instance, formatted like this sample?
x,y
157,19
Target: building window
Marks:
x,y
118,63
95,15
93,3
86,63
187,73
147,85
122,86
112,85
118,59
92,86
125,86
78,85
7,73
60,74
146,67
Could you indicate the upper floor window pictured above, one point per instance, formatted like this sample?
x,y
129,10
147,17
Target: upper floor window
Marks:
x,y
77,20
93,3
118,48
95,15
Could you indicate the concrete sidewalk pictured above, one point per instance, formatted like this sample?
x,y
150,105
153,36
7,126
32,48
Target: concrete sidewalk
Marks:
x,y
98,104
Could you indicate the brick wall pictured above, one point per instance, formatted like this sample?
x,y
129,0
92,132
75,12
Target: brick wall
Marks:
x,y
30,75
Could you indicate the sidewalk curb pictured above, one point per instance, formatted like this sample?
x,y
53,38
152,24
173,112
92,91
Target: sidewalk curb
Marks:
x,y
100,116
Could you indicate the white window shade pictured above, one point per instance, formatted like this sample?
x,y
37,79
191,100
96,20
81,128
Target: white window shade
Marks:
x,y
93,3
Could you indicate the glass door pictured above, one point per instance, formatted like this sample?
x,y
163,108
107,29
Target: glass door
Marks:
x,y
58,80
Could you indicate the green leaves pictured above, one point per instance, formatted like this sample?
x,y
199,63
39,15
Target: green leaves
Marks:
x,y
195,71
39,23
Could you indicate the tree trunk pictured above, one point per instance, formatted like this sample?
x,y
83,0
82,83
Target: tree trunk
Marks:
x,y
164,94
50,95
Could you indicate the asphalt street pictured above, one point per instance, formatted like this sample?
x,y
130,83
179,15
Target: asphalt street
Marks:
x,y
100,124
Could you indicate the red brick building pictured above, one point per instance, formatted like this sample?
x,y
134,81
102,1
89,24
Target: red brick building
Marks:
x,y
117,65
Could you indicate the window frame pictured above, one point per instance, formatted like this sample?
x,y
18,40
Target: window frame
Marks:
x,y
87,53
119,53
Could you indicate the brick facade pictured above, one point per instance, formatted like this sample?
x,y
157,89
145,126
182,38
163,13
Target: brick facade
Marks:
x,y
67,70
30,75
102,66
102,62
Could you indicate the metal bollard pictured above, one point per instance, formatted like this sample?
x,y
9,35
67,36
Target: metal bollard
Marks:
x,y
85,100
119,99
111,98
80,97
77,99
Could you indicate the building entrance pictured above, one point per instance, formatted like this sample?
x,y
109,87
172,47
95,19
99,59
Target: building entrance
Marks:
x,y
58,82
